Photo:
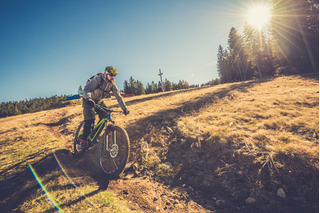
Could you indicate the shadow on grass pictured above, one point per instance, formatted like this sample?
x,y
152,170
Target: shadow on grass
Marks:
x,y
60,122
240,86
27,158
215,174
20,187
313,76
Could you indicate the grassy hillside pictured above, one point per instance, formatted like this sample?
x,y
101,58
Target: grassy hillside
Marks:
x,y
249,146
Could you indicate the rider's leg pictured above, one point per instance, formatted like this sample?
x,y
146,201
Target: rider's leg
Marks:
x,y
89,117
87,128
101,114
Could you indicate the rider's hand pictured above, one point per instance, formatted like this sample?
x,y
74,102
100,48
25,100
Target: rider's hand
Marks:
x,y
90,102
126,112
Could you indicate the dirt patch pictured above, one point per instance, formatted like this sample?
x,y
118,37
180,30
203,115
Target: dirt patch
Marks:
x,y
143,193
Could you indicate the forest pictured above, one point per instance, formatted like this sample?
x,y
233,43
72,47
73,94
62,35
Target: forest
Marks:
x,y
33,105
291,46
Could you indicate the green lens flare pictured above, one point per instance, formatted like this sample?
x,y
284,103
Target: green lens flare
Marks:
x,y
43,188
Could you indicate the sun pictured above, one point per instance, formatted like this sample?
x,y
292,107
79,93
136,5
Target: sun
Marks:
x,y
259,16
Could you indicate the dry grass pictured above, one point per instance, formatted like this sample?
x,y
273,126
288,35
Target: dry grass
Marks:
x,y
32,136
280,116
265,120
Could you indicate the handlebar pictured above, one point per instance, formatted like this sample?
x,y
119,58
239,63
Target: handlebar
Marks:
x,y
106,110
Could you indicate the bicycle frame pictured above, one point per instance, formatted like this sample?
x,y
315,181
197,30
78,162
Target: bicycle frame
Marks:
x,y
96,131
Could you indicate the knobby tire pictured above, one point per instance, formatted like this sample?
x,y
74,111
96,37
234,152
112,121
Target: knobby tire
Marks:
x,y
113,158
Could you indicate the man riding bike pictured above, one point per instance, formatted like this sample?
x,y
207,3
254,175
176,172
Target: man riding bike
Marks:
x,y
93,93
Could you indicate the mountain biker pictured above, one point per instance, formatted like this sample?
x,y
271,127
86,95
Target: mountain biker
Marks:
x,y
93,93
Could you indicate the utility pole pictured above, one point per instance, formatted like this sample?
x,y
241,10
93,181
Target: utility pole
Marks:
x,y
160,74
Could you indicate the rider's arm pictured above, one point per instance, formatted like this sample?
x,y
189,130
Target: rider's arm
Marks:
x,y
90,87
119,98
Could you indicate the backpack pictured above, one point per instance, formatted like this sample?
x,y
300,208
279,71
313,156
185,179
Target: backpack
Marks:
x,y
92,77
101,82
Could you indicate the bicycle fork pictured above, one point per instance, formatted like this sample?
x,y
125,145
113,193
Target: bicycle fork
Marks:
x,y
110,145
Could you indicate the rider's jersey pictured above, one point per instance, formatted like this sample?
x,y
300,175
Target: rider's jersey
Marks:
x,y
100,87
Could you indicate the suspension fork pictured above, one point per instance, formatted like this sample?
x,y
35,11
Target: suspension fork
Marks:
x,y
106,138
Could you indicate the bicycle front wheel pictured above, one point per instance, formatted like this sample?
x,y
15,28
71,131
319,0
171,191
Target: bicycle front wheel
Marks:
x,y
113,151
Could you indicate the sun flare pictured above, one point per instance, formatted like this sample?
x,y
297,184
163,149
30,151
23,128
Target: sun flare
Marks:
x,y
259,16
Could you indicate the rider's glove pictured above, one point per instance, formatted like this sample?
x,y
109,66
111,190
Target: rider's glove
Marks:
x,y
90,102
126,111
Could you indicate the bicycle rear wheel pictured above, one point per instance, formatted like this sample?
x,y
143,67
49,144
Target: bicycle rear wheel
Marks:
x,y
113,151
76,143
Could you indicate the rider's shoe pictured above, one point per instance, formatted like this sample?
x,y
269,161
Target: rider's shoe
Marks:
x,y
83,144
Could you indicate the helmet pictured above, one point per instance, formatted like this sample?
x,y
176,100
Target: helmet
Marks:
x,y
110,70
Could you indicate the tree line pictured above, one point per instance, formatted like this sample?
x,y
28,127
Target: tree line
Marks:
x,y
136,87
28,106
292,46
38,104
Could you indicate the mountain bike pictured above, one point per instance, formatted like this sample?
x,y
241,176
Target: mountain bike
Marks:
x,y
113,146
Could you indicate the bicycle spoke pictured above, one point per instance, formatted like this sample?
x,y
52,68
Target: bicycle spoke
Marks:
x,y
115,163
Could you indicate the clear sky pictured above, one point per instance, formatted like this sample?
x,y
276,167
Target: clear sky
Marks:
x,y
50,47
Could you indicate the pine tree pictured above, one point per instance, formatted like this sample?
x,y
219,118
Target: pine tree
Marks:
x,y
140,89
167,85
221,65
295,30
126,87
154,87
148,89
132,85
235,51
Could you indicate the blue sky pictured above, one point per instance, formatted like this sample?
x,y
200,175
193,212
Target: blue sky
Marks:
x,y
51,47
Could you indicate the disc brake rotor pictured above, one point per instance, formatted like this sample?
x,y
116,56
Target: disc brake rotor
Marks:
x,y
114,150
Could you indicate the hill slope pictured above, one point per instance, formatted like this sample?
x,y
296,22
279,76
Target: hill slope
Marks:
x,y
250,146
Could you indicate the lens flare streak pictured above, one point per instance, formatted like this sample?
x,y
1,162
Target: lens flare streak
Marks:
x,y
74,185
43,188
69,179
